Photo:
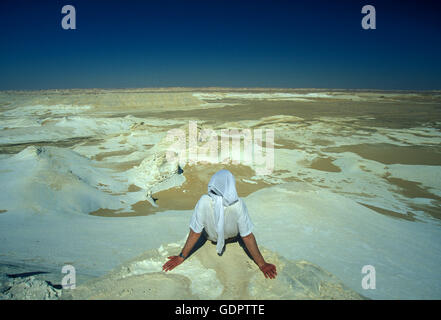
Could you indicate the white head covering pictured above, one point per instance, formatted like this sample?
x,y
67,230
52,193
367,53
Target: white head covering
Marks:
x,y
222,189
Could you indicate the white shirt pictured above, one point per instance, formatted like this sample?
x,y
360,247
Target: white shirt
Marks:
x,y
237,220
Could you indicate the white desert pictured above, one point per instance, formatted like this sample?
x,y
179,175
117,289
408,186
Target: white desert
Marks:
x,y
86,181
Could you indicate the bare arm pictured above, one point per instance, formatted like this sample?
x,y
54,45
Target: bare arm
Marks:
x,y
268,269
174,261
192,238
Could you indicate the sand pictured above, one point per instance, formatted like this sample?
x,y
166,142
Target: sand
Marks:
x,y
85,181
392,154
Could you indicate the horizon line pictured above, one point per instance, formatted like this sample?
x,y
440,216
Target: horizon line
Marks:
x,y
217,88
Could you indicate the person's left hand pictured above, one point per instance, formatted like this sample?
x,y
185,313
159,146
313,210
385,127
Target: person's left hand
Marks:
x,y
172,263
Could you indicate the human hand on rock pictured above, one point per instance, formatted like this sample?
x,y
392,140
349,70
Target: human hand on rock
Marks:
x,y
172,263
269,270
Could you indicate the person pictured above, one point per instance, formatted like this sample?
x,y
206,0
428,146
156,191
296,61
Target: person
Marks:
x,y
221,217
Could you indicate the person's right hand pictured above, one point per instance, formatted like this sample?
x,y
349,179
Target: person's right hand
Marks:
x,y
269,270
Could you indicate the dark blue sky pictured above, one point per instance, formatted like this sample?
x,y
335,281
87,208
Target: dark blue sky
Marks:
x,y
304,44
